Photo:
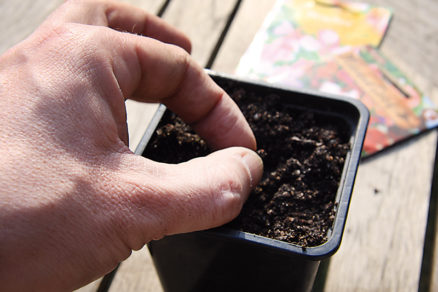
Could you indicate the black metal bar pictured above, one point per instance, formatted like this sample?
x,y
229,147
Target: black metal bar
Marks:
x,y
163,8
107,280
430,236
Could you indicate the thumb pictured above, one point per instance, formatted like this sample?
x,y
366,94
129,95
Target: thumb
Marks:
x,y
163,199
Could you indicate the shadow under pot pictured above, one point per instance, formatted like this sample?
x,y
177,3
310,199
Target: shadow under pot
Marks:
x,y
311,146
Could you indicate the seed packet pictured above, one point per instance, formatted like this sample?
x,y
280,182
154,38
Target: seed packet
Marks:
x,y
330,46
298,33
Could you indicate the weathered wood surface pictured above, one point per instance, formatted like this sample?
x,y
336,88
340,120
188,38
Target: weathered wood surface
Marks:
x,y
383,243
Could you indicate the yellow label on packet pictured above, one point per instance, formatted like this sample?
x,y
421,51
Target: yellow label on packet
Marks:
x,y
354,23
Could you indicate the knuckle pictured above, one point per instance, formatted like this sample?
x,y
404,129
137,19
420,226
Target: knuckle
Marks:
x,y
228,121
77,50
55,32
230,192
71,38
183,62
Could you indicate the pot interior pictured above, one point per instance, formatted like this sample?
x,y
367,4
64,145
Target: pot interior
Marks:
x,y
310,145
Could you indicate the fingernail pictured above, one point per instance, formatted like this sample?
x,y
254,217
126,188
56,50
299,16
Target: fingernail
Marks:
x,y
254,165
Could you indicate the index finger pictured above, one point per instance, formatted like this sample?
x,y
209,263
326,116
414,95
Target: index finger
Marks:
x,y
148,70
119,16
167,74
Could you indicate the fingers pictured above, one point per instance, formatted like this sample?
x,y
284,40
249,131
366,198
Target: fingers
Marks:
x,y
169,75
124,17
200,194
150,71
121,17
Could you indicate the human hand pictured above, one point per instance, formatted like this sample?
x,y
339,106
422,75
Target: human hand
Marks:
x,y
74,200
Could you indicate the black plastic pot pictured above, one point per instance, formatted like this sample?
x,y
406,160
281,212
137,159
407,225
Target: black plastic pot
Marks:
x,y
223,259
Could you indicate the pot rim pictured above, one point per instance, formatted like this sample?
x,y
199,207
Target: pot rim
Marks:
x,y
344,191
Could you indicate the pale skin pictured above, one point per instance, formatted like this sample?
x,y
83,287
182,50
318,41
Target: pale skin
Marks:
x,y
74,200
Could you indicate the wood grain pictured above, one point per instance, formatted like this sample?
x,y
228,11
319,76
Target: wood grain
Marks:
x,y
137,273
384,236
18,19
201,21
247,22
92,287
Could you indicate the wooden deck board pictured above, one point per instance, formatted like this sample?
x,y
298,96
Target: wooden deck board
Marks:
x,y
383,242
137,273
18,19
247,22
201,21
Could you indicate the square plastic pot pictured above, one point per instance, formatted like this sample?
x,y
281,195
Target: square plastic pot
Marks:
x,y
224,259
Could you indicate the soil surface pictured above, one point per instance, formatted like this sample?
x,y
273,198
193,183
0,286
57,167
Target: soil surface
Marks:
x,y
303,154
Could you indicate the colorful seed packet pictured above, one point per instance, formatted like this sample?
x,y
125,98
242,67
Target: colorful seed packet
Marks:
x,y
329,45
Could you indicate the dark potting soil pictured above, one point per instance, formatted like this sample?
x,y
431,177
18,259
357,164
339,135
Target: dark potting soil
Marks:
x,y
303,154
